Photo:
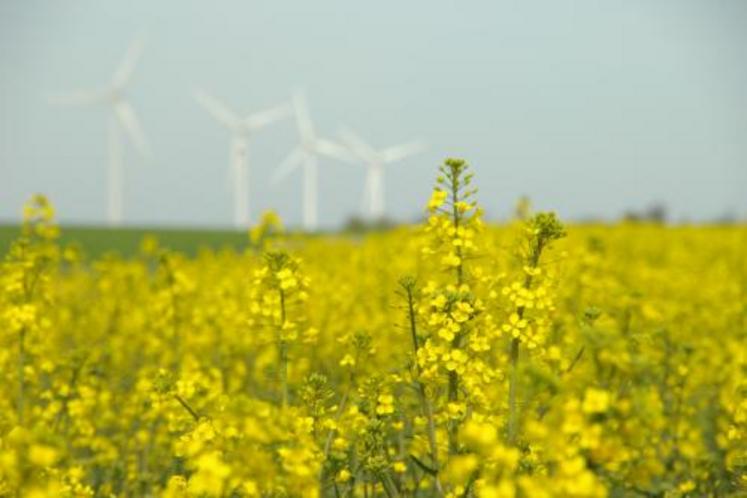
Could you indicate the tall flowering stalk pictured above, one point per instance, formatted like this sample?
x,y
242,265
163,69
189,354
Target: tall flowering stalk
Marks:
x,y
408,292
286,287
26,276
453,224
174,286
541,230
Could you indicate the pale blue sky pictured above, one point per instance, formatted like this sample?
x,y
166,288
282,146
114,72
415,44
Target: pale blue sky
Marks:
x,y
590,107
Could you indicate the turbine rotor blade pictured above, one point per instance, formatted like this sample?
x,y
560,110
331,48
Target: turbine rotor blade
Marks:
x,y
126,68
131,125
79,98
303,119
268,116
332,149
399,152
356,144
217,109
288,165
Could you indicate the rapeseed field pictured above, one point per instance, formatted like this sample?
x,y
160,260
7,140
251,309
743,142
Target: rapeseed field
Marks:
x,y
450,359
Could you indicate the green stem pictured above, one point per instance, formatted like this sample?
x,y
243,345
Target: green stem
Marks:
x,y
453,426
389,486
283,355
453,388
186,406
455,220
513,379
21,375
424,400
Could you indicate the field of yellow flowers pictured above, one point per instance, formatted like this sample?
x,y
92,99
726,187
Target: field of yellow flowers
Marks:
x,y
452,359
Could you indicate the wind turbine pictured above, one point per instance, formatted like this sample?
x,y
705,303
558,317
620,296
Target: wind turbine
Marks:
x,y
121,119
306,154
375,160
241,128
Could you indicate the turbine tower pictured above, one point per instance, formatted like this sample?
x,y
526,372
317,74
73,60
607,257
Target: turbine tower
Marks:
x,y
242,129
306,154
122,119
375,160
